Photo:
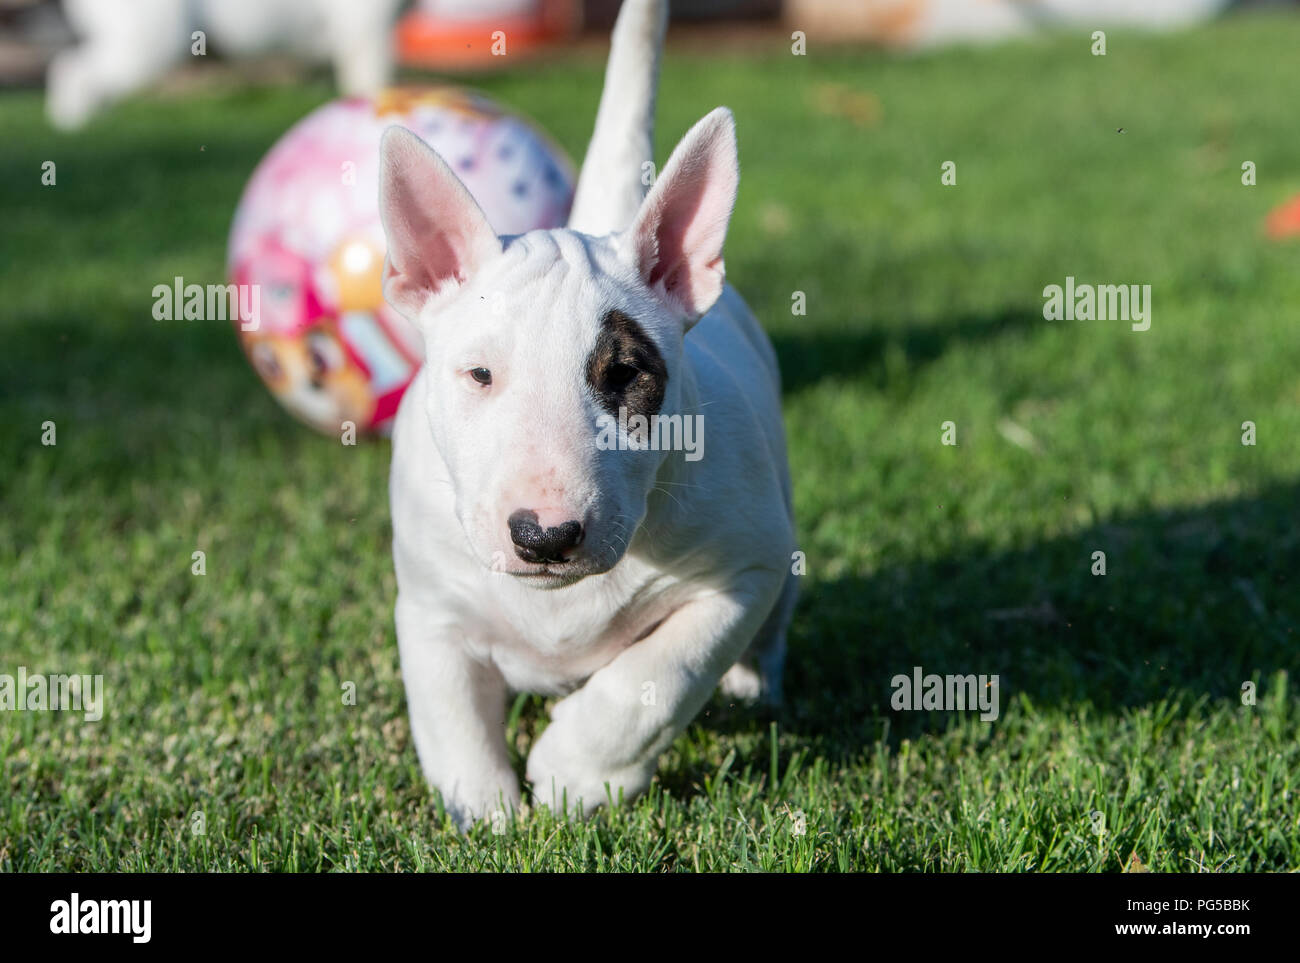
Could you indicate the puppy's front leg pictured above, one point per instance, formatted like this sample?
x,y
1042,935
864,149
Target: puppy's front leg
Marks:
x,y
457,709
614,728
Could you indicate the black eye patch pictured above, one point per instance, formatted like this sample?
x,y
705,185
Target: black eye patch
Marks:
x,y
625,369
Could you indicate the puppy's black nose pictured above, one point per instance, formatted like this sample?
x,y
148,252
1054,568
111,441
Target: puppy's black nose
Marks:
x,y
536,544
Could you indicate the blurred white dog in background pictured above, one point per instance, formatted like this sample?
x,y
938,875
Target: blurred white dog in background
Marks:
x,y
125,45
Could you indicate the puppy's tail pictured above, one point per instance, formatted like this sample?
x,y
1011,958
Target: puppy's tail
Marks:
x,y
614,177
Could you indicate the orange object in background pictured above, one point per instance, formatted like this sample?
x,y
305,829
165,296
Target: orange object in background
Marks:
x,y
358,269
1284,221
439,33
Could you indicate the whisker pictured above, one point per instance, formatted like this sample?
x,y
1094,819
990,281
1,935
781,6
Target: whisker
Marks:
x,y
664,491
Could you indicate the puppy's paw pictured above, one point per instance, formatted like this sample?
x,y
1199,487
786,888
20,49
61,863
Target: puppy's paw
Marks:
x,y
566,782
752,685
491,800
742,683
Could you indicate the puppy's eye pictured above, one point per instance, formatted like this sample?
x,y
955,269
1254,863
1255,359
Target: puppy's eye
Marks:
x,y
619,376
481,375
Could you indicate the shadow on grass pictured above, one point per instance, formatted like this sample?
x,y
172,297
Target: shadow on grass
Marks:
x,y
167,373
880,355
1194,602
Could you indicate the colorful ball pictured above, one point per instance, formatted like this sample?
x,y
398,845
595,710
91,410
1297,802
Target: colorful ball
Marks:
x,y
307,234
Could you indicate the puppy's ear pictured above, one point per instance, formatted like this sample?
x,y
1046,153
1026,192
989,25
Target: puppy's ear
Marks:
x,y
676,238
437,234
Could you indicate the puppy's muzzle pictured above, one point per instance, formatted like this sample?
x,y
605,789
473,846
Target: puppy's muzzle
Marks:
x,y
533,543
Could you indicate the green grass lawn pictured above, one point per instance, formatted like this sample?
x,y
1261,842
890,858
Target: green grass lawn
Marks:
x,y
1121,694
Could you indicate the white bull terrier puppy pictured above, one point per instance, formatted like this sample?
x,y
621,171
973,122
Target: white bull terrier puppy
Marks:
x,y
536,548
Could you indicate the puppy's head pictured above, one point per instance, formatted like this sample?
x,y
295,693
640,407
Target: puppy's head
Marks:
x,y
534,343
